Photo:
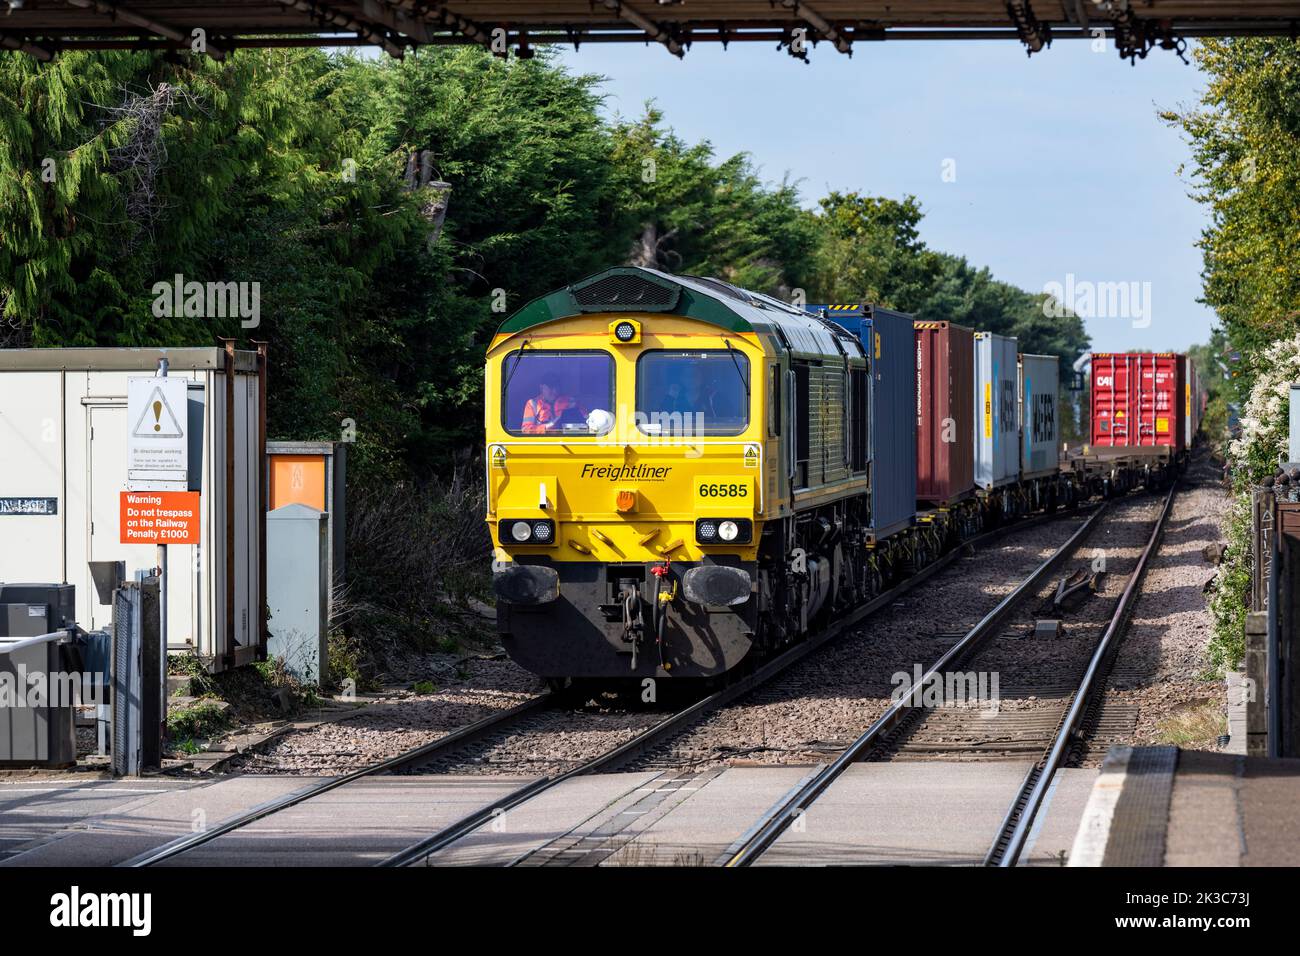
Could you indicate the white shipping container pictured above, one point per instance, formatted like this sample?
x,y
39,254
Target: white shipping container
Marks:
x,y
997,428
63,444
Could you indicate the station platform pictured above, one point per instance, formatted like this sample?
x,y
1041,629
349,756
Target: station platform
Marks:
x,y
1162,806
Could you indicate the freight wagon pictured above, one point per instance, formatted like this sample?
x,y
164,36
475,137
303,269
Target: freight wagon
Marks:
x,y
945,422
886,338
1139,400
1193,402
810,478
997,429
1042,484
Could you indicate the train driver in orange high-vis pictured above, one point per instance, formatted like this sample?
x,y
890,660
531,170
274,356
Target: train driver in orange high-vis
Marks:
x,y
543,413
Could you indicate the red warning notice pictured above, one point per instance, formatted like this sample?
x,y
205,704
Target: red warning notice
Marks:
x,y
159,517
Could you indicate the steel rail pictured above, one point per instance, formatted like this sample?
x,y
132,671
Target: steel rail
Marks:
x,y
1011,838
457,738
629,750
650,737
793,805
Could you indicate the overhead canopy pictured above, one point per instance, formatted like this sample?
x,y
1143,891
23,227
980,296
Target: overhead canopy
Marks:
x,y
44,27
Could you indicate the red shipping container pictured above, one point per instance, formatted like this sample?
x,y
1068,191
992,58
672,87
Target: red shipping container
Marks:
x,y
1139,400
945,412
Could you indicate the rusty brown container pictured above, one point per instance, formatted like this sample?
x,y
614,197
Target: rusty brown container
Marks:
x,y
945,413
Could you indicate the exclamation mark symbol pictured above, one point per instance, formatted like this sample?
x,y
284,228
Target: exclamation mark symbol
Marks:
x,y
157,416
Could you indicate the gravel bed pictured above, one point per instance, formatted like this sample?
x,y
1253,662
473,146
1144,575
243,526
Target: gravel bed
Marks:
x,y
827,700
1023,662
830,698
551,742
394,724
1161,667
1036,675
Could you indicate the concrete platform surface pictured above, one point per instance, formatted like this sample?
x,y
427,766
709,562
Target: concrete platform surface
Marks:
x,y
1199,809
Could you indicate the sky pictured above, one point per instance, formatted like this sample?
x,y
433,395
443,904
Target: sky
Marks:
x,y
1051,169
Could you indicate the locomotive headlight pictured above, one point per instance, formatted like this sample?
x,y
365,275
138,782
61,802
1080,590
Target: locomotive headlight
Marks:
x,y
716,531
625,332
521,531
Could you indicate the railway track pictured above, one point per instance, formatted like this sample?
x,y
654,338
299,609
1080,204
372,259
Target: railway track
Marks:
x,y
1019,736
518,718
1084,710
536,710
654,736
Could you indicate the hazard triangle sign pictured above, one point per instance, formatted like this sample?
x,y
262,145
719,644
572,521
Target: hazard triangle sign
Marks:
x,y
157,457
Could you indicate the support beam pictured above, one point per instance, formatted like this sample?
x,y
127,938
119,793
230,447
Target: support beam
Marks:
x,y
437,14
35,51
820,24
328,16
654,30
128,15
1033,33
392,14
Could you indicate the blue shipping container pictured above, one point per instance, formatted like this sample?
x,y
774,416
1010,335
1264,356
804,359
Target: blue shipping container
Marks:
x,y
889,342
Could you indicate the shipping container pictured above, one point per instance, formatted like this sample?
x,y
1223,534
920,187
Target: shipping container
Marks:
x,y
887,340
1193,395
996,432
1139,400
945,412
63,466
1040,434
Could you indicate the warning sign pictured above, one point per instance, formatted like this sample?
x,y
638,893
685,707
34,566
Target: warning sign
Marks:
x,y
159,517
157,446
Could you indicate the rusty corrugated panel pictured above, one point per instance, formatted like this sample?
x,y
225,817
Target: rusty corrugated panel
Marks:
x,y
945,417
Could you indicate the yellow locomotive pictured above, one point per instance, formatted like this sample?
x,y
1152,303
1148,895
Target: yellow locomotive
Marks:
x,y
678,473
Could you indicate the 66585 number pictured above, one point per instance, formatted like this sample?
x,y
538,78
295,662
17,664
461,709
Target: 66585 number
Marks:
x,y
712,490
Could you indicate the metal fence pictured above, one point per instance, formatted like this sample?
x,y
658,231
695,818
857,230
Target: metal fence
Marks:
x,y
126,680
1261,546
138,677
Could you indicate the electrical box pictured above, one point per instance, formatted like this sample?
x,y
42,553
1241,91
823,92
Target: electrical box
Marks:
x,y
29,610
37,728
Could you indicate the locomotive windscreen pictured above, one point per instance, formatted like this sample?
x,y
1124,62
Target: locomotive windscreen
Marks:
x,y
693,393
557,393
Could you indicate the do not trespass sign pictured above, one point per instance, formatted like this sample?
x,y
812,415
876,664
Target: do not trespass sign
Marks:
x,y
159,517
